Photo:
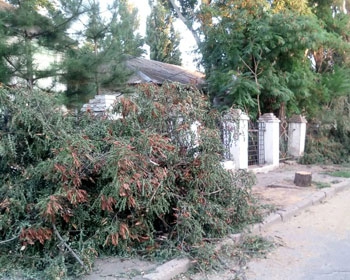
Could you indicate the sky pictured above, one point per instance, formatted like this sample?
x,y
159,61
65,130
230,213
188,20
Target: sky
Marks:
x,y
187,44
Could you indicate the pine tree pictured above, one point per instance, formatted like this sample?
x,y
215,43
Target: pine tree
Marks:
x,y
28,33
5,73
161,36
107,43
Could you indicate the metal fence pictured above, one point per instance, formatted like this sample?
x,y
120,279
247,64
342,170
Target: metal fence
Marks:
x,y
256,152
283,139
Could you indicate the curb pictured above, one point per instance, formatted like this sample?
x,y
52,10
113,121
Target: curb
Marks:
x,y
173,268
169,270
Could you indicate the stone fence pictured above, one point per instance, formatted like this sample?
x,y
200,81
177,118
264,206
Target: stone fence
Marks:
x,y
236,143
234,129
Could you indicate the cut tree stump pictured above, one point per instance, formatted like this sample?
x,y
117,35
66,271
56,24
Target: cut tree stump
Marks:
x,y
303,179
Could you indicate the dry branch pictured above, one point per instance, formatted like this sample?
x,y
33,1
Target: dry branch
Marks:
x,y
8,240
69,248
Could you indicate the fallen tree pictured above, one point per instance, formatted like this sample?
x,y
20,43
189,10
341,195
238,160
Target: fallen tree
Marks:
x,y
77,186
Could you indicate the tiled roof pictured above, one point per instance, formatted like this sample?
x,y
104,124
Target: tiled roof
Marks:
x,y
147,71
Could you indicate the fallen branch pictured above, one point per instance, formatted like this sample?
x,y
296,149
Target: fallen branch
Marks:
x,y
8,240
69,248
214,192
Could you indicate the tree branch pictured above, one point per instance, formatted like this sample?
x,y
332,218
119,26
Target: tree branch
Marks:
x,y
69,248
8,240
186,22
255,74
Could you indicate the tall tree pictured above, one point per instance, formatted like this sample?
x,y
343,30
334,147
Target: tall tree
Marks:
x,y
107,43
28,34
313,49
161,36
298,6
5,73
332,58
255,58
185,11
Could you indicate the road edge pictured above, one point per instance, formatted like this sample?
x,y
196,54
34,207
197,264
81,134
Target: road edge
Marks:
x,y
173,268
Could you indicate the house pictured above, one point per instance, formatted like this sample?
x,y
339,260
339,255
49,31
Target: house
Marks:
x,y
5,6
145,71
151,71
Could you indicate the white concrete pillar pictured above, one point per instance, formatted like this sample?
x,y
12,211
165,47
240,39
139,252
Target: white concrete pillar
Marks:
x,y
235,126
187,137
271,138
296,136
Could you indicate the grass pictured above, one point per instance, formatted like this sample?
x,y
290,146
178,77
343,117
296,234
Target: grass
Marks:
x,y
230,257
340,173
256,246
322,185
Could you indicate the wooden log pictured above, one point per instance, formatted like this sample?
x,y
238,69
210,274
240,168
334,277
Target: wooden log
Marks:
x,y
303,179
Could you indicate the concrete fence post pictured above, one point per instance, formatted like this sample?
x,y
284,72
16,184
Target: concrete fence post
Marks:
x,y
271,138
296,136
235,138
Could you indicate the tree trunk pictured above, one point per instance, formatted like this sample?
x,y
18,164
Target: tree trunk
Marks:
x,y
303,179
186,22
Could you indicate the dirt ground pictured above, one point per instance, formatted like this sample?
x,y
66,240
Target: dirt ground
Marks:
x,y
275,188
278,189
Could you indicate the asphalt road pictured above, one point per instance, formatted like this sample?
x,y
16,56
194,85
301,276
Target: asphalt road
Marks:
x,y
315,245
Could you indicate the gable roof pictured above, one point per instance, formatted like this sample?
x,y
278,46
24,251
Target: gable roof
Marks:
x,y
151,71
145,71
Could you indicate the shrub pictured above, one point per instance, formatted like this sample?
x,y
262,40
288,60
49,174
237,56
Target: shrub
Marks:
x,y
328,138
327,147
76,186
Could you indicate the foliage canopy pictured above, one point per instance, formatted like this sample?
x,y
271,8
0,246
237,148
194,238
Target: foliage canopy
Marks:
x,y
161,36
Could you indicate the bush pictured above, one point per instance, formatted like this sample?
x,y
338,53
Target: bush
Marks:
x,y
328,137
327,145
76,186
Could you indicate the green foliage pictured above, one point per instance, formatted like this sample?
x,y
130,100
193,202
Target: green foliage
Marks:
x,y
255,246
322,185
235,257
163,40
329,144
142,184
28,33
266,52
340,173
108,42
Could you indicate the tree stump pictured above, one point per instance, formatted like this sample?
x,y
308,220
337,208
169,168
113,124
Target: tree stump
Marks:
x,y
303,179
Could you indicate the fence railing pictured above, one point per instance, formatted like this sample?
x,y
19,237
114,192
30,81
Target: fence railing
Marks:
x,y
256,143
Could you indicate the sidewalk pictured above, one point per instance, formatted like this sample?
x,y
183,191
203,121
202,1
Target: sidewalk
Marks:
x,y
275,188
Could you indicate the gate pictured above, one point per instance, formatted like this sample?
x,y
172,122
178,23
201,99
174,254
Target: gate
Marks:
x,y
283,139
256,152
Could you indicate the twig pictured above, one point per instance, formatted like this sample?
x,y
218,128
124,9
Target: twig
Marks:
x,y
214,192
9,240
69,248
